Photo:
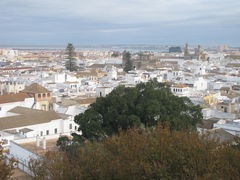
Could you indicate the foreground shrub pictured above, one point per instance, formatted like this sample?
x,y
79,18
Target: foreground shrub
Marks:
x,y
142,154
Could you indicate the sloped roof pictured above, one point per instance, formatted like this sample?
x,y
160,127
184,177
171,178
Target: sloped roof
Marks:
x,y
221,134
93,72
8,98
232,95
68,102
86,101
27,117
180,86
208,124
77,101
35,88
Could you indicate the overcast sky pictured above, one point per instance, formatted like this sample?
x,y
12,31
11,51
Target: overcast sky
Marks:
x,y
165,22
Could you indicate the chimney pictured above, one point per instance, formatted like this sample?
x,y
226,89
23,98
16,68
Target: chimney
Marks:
x,y
44,143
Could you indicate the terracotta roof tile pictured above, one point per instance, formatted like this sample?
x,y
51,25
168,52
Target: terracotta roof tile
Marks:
x,y
35,88
8,98
180,86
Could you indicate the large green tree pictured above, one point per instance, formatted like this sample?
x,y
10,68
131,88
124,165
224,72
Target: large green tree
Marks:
x,y
127,61
142,106
71,60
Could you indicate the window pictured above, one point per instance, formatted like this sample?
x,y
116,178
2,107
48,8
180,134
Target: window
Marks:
x,y
55,130
75,127
47,132
225,110
48,94
70,126
39,95
41,133
44,107
44,95
5,141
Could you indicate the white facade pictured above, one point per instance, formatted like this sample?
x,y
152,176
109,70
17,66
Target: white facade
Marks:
x,y
200,70
213,113
103,91
5,138
55,127
233,127
201,84
180,91
28,103
10,53
58,126
37,134
112,73
59,78
22,155
11,87
71,78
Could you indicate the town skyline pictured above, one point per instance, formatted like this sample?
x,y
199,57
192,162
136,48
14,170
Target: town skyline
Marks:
x,y
119,89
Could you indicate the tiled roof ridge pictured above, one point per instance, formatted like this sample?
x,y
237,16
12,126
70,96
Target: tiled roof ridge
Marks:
x,y
35,88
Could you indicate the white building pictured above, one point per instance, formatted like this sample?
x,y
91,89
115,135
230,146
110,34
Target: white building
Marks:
x,y
201,84
11,87
112,72
213,113
233,127
180,90
59,78
10,101
29,133
10,53
103,91
25,123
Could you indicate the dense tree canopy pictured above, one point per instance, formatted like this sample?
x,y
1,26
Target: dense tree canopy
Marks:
x,y
144,154
142,106
71,61
127,61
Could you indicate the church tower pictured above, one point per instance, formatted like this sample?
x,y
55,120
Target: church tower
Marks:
x,y
186,51
42,96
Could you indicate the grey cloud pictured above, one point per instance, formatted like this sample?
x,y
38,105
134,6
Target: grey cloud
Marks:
x,y
132,21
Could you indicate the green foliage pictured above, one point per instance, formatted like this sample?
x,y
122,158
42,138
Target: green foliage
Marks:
x,y
141,154
127,62
63,142
115,54
71,61
144,105
67,145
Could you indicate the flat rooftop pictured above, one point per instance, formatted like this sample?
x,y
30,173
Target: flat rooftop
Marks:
x,y
32,146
